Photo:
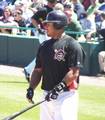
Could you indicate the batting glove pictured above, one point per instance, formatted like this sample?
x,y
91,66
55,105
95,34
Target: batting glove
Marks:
x,y
53,94
30,94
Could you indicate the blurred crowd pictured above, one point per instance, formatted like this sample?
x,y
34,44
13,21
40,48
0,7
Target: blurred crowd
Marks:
x,y
27,16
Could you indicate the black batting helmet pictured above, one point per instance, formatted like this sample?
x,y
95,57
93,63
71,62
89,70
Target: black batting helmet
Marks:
x,y
58,18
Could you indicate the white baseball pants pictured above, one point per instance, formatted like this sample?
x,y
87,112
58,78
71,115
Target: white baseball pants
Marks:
x,y
64,108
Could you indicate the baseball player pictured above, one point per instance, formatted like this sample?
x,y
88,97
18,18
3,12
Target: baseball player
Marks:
x,y
58,63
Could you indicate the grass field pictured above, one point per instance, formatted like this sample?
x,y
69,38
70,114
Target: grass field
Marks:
x,y
12,99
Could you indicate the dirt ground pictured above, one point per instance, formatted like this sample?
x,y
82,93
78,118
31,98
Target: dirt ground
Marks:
x,y
17,71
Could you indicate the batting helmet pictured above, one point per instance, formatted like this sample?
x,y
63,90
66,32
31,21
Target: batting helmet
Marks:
x,y
58,18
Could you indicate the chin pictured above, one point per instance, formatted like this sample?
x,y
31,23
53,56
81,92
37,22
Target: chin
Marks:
x,y
48,35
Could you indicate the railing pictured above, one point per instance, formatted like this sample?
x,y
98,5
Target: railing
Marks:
x,y
77,33
30,28
15,30
26,31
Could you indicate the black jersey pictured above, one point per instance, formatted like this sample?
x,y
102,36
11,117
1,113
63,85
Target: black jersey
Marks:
x,y
55,57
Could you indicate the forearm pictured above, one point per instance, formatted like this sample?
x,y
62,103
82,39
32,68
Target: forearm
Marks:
x,y
64,84
71,76
35,78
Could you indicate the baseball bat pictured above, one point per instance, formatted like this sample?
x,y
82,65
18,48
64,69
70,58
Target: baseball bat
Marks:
x,y
14,115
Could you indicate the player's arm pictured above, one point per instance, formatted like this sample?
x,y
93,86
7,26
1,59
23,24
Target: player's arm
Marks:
x,y
71,75
35,79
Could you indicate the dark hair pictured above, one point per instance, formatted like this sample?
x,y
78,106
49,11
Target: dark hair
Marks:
x,y
52,1
101,1
103,15
67,5
40,15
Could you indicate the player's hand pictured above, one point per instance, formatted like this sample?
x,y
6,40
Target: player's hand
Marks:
x,y
30,94
53,94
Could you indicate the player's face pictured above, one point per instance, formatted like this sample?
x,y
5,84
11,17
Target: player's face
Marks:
x,y
51,31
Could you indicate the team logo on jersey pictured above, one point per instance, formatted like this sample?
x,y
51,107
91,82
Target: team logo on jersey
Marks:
x,y
59,55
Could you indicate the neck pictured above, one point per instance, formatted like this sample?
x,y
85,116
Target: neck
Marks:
x,y
59,35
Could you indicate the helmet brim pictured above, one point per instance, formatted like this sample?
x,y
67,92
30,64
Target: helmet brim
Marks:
x,y
51,21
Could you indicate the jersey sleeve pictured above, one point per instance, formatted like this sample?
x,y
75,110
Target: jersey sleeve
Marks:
x,y
76,55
